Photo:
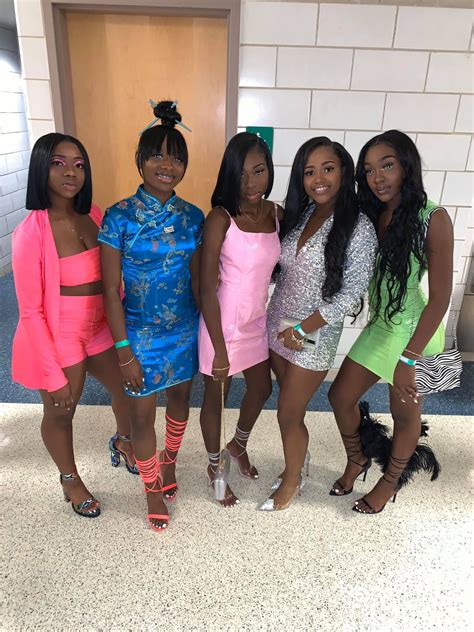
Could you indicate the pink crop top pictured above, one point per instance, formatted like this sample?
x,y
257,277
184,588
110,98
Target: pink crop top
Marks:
x,y
81,268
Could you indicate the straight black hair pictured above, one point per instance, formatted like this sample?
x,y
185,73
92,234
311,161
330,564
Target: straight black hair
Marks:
x,y
346,211
152,139
37,194
227,191
404,236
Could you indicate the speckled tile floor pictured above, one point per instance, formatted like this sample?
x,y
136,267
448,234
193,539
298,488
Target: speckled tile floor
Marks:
x,y
317,566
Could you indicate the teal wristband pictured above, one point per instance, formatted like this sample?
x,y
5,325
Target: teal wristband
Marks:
x,y
406,360
121,343
300,330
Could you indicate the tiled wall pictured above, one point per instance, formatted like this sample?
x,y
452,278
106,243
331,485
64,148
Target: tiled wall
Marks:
x,y
14,144
346,70
349,71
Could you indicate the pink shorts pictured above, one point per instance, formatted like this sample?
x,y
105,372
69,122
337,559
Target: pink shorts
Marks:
x,y
83,329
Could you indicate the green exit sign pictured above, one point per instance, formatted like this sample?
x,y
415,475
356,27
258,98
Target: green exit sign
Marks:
x,y
264,132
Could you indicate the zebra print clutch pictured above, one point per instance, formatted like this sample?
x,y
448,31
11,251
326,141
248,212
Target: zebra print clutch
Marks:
x,y
439,372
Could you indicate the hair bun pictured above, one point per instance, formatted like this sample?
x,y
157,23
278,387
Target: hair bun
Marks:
x,y
167,113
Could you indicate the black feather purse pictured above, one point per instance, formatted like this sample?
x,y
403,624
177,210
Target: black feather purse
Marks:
x,y
377,445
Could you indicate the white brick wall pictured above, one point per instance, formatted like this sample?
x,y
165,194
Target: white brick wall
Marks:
x,y
362,69
348,71
14,144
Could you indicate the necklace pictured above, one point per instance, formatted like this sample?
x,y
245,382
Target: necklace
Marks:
x,y
259,215
71,228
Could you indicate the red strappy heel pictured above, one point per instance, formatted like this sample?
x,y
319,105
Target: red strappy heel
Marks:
x,y
174,438
150,473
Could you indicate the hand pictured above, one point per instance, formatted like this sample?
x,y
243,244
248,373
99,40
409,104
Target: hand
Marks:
x,y
404,382
220,367
287,336
62,398
132,375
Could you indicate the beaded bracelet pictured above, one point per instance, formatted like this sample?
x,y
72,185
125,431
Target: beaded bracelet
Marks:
x,y
406,360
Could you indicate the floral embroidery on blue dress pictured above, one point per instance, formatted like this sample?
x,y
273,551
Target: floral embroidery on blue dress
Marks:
x,y
157,243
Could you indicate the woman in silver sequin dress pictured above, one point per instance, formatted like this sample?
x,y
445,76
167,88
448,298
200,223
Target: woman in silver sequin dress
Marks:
x,y
327,260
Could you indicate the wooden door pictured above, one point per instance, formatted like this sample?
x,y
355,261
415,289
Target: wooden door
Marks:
x,y
118,63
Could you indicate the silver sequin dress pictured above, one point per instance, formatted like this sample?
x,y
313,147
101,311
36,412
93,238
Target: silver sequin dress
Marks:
x,y
298,288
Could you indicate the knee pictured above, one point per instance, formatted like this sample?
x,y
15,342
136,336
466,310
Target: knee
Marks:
x,y
261,392
339,400
288,418
59,418
334,396
405,421
179,395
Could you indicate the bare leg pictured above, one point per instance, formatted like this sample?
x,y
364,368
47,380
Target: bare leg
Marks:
x,y
104,367
210,419
56,431
258,385
407,425
177,415
143,413
297,388
351,382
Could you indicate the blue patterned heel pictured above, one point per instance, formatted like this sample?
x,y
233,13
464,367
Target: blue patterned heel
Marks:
x,y
115,453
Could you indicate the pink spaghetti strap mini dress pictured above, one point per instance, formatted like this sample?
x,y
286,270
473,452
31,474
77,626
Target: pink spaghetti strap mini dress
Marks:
x,y
245,269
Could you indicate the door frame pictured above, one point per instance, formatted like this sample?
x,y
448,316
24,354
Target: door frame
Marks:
x,y
54,15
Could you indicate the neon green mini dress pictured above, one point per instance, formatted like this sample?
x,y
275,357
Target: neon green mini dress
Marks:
x,y
380,344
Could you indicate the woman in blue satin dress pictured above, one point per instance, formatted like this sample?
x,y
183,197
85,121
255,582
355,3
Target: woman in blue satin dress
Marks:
x,y
152,240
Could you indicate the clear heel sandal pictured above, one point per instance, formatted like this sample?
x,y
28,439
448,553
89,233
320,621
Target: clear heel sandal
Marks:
x,y
304,470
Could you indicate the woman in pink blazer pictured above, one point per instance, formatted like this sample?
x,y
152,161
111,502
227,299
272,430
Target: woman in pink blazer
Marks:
x,y
62,332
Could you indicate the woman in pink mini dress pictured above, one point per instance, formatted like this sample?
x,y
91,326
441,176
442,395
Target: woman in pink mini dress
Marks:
x,y
240,249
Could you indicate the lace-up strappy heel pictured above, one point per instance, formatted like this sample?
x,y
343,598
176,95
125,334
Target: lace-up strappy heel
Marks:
x,y
353,448
116,453
241,437
150,474
174,438
89,508
391,476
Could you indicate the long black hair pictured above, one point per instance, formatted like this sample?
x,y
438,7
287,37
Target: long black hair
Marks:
x,y
346,210
227,190
37,194
152,139
404,236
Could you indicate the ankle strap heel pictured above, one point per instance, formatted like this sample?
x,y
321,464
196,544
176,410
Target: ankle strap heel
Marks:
x,y
89,508
116,453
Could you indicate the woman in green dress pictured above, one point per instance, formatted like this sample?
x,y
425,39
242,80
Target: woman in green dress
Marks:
x,y
415,237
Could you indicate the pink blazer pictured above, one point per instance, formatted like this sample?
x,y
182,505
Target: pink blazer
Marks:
x,y
35,263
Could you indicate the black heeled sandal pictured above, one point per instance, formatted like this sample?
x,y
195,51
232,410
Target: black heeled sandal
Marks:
x,y
391,476
352,444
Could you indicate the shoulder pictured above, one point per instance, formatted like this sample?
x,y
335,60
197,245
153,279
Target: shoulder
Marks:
x,y
279,209
96,214
364,226
197,216
438,224
33,224
120,210
217,220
